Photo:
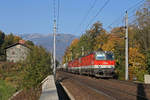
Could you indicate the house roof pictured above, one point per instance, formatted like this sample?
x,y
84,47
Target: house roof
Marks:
x,y
16,44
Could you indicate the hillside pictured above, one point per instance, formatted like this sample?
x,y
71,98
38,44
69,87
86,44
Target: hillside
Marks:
x,y
46,40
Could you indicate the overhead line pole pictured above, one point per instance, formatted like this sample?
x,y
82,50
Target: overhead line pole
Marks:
x,y
54,33
54,69
126,47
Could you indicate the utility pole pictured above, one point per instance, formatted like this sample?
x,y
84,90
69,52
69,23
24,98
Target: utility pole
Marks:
x,y
54,68
52,61
126,47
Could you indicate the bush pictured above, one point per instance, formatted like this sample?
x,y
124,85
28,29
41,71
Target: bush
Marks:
x,y
37,67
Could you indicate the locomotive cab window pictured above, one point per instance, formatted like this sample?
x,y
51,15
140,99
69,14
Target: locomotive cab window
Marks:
x,y
100,56
104,56
109,56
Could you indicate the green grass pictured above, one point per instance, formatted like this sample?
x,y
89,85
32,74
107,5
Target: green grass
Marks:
x,y
6,90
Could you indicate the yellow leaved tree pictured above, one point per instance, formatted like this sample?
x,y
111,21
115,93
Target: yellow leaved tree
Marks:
x,y
137,64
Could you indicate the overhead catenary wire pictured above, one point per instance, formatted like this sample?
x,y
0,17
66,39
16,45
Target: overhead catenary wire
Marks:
x,y
119,21
130,9
135,5
131,16
116,21
87,13
134,9
135,20
132,22
100,10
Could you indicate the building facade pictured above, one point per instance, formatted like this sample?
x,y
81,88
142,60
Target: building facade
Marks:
x,y
16,52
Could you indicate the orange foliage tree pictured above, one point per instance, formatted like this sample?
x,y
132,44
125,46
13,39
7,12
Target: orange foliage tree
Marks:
x,y
137,64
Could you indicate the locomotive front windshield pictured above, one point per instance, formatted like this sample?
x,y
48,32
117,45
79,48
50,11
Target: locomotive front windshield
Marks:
x,y
104,56
100,56
109,57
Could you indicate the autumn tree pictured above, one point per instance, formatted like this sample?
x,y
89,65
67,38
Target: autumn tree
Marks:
x,y
94,34
116,37
143,26
84,43
36,67
10,39
92,40
137,64
101,39
142,31
117,43
66,57
74,48
29,43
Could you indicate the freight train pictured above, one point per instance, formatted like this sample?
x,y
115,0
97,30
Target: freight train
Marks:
x,y
99,64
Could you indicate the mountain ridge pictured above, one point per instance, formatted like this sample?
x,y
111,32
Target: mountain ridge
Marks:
x,y
46,41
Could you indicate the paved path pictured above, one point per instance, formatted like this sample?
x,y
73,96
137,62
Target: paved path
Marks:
x,y
49,91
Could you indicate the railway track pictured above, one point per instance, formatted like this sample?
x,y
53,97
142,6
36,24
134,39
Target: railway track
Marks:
x,y
112,89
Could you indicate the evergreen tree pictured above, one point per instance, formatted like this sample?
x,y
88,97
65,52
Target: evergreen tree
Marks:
x,y
2,37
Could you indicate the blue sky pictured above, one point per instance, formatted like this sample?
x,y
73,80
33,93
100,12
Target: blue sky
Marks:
x,y
36,16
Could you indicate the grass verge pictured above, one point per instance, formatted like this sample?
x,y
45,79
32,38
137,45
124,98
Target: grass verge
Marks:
x,y
6,90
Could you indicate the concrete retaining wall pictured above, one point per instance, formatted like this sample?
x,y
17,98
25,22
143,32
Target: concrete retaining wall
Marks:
x,y
49,91
147,79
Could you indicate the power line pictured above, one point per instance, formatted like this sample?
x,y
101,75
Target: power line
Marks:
x,y
119,20
135,9
132,22
132,16
87,13
135,20
115,21
130,9
105,4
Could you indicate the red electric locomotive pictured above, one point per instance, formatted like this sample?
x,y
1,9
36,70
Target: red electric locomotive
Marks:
x,y
100,64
